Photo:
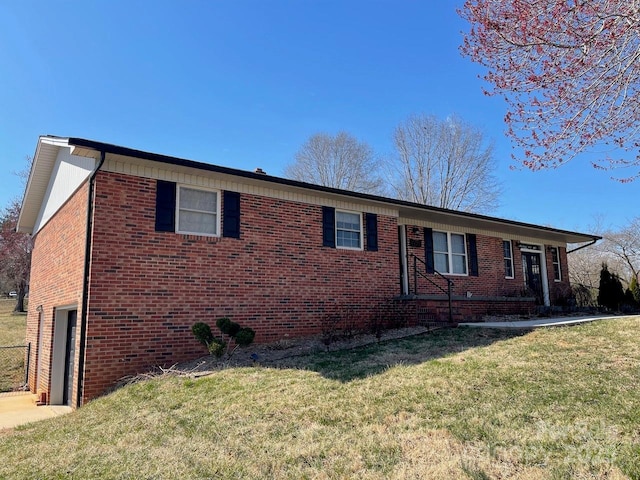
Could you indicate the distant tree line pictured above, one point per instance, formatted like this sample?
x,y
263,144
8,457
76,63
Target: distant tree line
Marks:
x,y
607,273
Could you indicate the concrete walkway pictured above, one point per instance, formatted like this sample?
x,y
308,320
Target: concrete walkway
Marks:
x,y
540,322
18,408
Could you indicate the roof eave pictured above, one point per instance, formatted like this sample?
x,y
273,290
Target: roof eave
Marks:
x,y
89,147
34,192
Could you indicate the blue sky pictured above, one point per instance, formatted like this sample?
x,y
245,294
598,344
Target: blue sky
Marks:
x,y
244,83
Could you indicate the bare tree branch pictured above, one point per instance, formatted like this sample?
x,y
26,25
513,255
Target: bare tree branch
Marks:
x,y
445,164
339,161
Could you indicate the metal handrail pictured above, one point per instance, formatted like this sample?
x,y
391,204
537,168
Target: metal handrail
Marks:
x,y
447,292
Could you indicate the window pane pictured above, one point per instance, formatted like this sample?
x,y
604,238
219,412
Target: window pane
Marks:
x,y
556,264
459,264
348,239
508,260
508,267
198,200
457,243
441,261
440,242
506,246
196,222
348,221
348,230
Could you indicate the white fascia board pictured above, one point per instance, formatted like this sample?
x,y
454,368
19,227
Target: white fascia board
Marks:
x,y
41,168
55,175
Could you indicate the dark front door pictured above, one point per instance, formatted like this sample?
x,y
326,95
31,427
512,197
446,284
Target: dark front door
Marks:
x,y
70,356
532,274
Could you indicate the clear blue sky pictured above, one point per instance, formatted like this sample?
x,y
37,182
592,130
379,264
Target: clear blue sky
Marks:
x,y
244,83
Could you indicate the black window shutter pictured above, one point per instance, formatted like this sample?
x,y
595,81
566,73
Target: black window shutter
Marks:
x,y
165,206
372,232
473,254
231,214
428,250
328,227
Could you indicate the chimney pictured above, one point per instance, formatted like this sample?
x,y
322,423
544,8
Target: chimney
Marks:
x,y
260,171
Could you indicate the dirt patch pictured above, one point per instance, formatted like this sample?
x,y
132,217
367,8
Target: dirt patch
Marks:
x,y
270,354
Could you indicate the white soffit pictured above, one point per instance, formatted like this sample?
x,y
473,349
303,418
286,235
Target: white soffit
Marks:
x,y
410,214
508,228
54,177
43,163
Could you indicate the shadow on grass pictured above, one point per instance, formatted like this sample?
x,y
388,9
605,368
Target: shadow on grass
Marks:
x,y
360,362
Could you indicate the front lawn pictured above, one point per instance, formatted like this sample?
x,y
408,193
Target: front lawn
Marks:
x,y
465,403
12,333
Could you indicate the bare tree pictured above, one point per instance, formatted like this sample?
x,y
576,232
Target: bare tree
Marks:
x,y
624,247
24,173
619,249
585,266
339,161
444,163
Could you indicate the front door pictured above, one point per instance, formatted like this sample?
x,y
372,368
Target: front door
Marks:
x,y
69,358
532,269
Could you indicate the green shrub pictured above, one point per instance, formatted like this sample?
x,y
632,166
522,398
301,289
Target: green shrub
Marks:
x,y
223,324
242,336
611,294
233,330
634,286
216,347
202,332
227,327
245,336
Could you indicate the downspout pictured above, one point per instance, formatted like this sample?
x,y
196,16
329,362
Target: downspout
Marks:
x,y
85,281
584,246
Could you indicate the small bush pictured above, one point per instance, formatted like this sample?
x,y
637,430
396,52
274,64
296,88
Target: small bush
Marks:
x,y
330,328
202,332
223,323
233,329
228,327
387,315
244,336
585,296
216,347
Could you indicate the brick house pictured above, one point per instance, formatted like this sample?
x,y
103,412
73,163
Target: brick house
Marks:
x,y
131,248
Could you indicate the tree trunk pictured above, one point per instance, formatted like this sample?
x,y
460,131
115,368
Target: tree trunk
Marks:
x,y
19,308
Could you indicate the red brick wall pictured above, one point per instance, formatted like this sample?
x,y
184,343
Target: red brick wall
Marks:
x,y
148,288
57,266
491,281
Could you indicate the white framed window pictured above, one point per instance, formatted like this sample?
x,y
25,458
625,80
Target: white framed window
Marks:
x,y
555,259
508,258
198,211
348,230
450,253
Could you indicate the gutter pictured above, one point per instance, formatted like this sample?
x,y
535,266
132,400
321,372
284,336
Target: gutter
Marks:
x,y
592,242
155,157
85,281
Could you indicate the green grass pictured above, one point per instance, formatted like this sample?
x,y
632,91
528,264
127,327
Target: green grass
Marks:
x,y
550,404
12,332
